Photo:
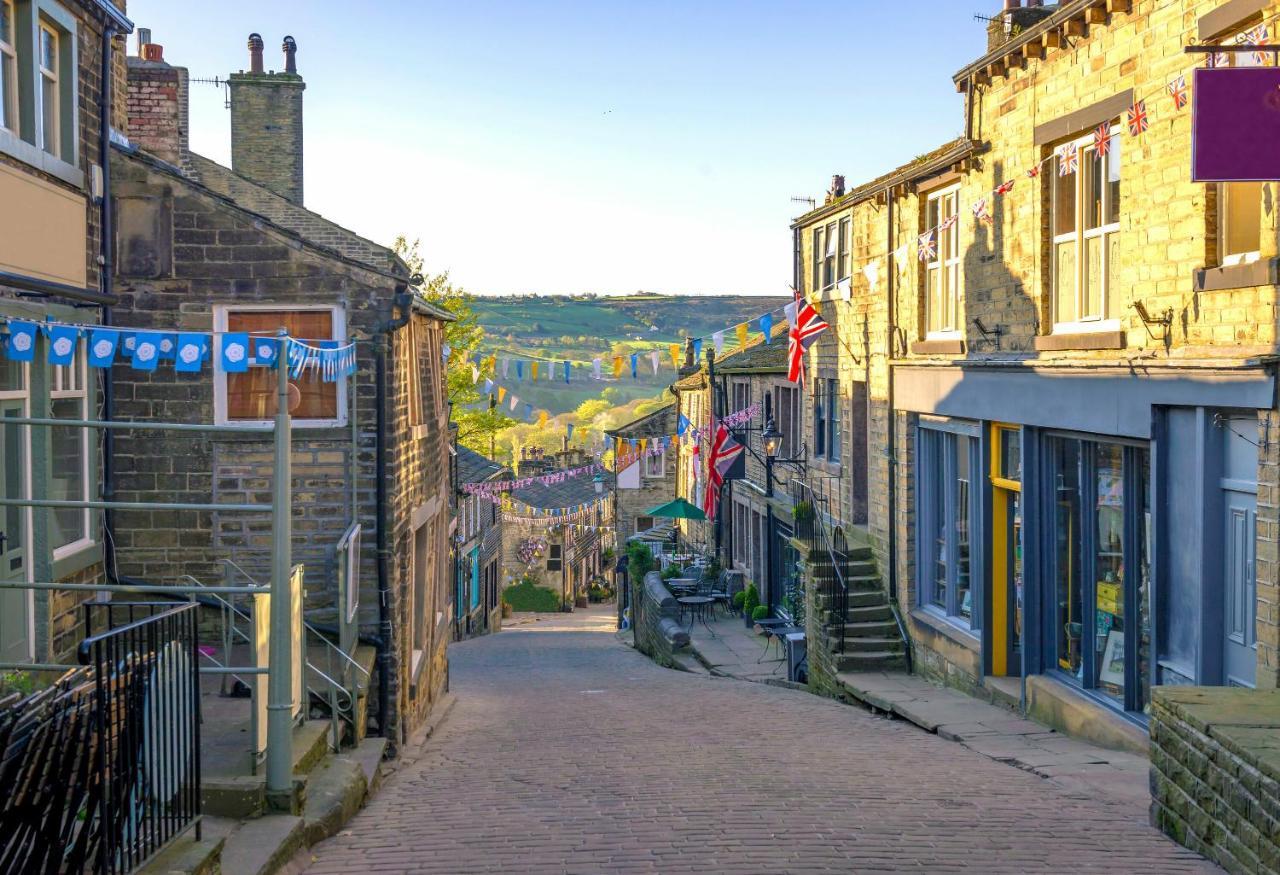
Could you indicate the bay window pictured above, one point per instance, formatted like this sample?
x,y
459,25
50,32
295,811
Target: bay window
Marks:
x,y
942,269
947,506
1085,225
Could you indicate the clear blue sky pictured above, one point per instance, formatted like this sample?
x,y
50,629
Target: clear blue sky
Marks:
x,y
590,146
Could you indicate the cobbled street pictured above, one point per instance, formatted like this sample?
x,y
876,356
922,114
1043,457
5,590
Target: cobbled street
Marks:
x,y
568,752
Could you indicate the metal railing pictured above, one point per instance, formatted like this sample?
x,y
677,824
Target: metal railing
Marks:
x,y
833,558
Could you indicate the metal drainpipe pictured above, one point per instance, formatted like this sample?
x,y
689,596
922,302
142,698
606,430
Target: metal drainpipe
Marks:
x,y
106,283
385,630
893,428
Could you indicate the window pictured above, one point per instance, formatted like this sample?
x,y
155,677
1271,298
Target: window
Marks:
x,y
69,450
554,557
251,396
655,464
842,250
946,507
829,258
787,407
1239,203
1100,561
942,272
1086,219
741,395
48,118
741,536
420,579
819,419
826,419
644,523
8,69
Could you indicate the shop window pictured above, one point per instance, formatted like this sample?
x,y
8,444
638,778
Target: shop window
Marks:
x,y
1100,559
942,271
251,396
1085,227
69,449
947,506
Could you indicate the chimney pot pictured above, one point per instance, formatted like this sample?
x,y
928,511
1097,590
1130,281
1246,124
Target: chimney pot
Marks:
x,y
256,45
144,37
1012,4
837,185
290,56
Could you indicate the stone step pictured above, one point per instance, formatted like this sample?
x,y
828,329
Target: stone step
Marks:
x,y
870,644
335,791
872,629
871,660
186,856
870,613
863,569
263,845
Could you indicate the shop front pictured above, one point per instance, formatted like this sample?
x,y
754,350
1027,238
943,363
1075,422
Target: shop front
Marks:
x,y
1100,563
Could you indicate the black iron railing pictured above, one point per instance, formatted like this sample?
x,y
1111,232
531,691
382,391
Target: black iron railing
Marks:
x,y
828,556
146,703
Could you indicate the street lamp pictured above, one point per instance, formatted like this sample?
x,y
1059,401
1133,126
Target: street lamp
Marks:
x,y
598,480
772,439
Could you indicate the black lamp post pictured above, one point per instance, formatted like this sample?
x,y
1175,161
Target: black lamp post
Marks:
x,y
772,440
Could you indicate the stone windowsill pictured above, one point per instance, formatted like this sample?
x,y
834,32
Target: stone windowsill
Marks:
x,y
938,347
1081,340
1236,276
940,625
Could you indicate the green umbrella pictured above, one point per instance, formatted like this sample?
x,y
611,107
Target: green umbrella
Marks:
x,y
679,509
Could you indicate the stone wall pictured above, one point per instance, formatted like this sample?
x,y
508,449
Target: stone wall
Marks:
x,y
655,621
266,130
1215,774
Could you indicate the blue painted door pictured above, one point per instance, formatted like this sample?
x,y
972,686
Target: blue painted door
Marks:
x,y
1240,656
475,578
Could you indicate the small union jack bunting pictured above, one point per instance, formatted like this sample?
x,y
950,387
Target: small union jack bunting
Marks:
x,y
1102,140
1258,37
1034,171
1068,159
1138,118
1005,187
982,211
948,223
928,246
1178,91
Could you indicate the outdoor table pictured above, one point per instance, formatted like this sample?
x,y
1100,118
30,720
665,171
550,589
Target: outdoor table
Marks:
x,y
697,606
774,628
682,585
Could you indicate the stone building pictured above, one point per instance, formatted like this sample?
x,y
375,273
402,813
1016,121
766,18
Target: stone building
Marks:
x,y
60,78
556,532
644,479
201,247
1065,396
478,546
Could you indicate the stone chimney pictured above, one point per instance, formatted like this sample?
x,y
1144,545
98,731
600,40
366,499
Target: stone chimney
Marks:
x,y
266,122
836,191
156,100
1012,20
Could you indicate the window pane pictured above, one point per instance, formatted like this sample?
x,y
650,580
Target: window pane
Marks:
x,y
49,115
12,376
1144,580
252,394
1065,282
833,415
1091,294
1242,214
67,480
1109,567
818,253
1094,177
1068,620
48,50
934,281
6,24
1064,201
960,512
1113,180
952,298
844,248
1113,292
934,519
1010,454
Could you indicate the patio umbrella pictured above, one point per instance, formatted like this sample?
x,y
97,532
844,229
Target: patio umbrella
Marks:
x,y
679,509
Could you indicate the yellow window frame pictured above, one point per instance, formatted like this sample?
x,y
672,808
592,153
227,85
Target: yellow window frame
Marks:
x,y
1000,607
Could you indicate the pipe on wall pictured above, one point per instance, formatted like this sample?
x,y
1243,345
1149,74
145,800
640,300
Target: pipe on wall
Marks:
x,y
106,282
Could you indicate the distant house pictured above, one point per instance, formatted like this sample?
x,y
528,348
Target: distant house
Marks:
x,y
643,479
554,532
478,550
200,247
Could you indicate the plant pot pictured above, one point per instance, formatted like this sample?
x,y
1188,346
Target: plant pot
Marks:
x,y
580,602
747,621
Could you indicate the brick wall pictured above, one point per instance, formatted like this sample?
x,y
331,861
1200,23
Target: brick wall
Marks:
x,y
157,109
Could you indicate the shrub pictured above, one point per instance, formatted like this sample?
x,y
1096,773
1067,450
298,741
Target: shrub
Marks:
x,y
639,561
528,596
802,512
750,599
671,572
739,598
761,612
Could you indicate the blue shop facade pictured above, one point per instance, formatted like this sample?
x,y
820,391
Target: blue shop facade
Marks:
x,y
1081,535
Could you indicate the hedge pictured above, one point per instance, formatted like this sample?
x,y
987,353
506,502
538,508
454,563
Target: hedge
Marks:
x,y
527,596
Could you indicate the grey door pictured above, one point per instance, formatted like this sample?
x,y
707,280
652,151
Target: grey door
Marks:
x,y
15,611
1239,659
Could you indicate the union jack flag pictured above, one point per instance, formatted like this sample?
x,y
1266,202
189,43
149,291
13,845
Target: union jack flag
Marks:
x,y
981,211
1034,171
1005,187
927,247
724,451
1068,159
1102,140
1178,91
948,222
1258,37
802,335
1137,118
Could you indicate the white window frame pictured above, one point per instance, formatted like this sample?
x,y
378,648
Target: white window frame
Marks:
x,y
1079,237
830,255
48,74
946,263
220,314
1235,59
71,381
24,395
9,73
655,465
819,253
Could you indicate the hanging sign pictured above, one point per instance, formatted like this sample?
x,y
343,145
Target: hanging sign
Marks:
x,y
1235,124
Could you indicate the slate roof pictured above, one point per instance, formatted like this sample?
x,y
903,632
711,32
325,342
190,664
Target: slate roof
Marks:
x,y
475,468
761,356
660,422
575,490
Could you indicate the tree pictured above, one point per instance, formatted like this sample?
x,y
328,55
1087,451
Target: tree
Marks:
x,y
470,409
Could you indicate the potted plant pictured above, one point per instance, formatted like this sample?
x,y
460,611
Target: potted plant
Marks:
x,y
750,601
739,599
802,512
761,612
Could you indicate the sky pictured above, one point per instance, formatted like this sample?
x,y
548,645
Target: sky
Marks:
x,y
609,147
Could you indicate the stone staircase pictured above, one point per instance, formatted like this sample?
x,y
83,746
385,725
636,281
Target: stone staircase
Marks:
x,y
868,632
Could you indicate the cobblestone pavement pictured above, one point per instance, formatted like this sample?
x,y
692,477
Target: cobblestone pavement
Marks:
x,y
569,753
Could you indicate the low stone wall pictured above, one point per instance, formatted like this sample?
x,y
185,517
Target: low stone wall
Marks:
x,y
655,621
1215,773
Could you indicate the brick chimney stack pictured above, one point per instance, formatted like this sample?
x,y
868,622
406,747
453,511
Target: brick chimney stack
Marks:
x,y
156,101
266,122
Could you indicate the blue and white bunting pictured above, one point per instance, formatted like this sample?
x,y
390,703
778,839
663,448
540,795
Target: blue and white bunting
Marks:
x,y
146,350
22,341
235,352
266,351
189,357
62,343
168,347
102,347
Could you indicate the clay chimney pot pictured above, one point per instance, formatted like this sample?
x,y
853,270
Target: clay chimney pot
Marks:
x,y
256,45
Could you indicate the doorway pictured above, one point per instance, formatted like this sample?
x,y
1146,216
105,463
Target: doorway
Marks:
x,y
15,604
1006,550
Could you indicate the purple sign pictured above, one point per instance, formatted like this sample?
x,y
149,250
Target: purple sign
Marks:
x,y
1235,133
